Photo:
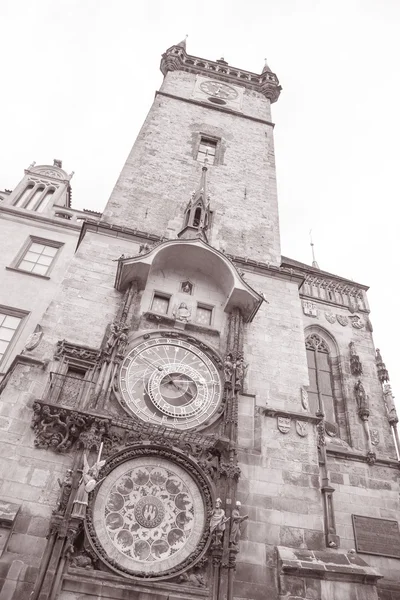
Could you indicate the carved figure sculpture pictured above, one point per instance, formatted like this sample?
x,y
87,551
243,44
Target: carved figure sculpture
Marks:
x,y
34,339
183,313
240,372
362,400
117,330
218,523
228,368
87,484
65,491
390,406
355,363
236,521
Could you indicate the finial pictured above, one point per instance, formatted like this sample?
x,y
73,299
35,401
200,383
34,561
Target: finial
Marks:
x,y
266,68
314,262
182,44
32,165
57,163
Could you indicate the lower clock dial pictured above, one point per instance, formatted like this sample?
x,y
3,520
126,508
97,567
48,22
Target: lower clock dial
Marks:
x,y
170,382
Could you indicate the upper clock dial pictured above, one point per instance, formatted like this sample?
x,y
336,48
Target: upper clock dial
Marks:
x,y
170,382
219,90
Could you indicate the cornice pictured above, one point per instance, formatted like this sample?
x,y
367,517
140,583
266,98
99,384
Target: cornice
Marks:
x,y
216,107
313,272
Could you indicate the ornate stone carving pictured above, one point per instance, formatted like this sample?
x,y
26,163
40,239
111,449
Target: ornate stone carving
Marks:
x,y
236,521
64,348
356,322
374,437
316,342
116,338
209,462
304,398
65,492
89,480
230,471
310,308
34,339
182,313
330,317
383,374
187,287
301,428
355,363
218,524
342,320
362,400
284,424
59,428
321,431
371,457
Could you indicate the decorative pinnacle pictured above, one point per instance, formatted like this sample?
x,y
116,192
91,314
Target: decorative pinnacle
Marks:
x,y
182,44
314,262
266,68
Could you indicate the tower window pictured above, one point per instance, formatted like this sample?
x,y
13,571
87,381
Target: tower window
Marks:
x,y
24,196
160,303
9,323
38,256
207,149
320,392
203,315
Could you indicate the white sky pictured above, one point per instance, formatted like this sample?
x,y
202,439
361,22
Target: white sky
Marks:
x,y
78,77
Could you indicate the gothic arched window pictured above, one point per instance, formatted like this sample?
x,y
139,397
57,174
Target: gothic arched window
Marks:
x,y
197,217
320,392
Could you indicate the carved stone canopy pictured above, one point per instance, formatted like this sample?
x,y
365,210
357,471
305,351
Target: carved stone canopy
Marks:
x,y
189,255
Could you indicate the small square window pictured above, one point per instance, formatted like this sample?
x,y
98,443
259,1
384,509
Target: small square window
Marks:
x,y
160,303
38,256
9,324
207,149
203,315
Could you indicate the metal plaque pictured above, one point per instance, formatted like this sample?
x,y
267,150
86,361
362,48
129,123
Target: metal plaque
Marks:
x,y
377,536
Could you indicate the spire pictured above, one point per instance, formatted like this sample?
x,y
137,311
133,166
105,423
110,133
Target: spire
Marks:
x,y
266,68
197,213
182,44
314,262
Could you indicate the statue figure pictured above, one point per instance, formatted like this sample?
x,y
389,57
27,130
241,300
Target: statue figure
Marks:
x,y
240,372
87,484
362,400
117,330
228,368
236,521
383,374
183,313
355,363
65,491
33,340
390,406
217,523
210,464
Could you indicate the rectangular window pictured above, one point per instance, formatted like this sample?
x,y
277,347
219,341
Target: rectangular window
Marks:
x,y
203,315
38,256
207,149
8,326
160,303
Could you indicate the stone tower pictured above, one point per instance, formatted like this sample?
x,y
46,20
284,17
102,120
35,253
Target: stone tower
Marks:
x,y
216,416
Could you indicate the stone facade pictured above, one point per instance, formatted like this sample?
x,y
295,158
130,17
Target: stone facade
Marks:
x,y
102,469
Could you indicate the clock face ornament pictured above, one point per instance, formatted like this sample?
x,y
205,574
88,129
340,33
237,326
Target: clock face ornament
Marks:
x,y
170,382
219,90
148,516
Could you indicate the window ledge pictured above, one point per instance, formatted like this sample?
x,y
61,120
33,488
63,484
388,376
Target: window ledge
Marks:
x,y
27,273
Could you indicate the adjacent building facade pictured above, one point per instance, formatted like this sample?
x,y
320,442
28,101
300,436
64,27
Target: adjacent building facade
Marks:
x,y
185,413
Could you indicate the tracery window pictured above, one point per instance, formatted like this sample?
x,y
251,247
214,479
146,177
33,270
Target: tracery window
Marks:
x,y
320,392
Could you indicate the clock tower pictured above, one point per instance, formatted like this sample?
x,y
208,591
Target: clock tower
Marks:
x,y
208,417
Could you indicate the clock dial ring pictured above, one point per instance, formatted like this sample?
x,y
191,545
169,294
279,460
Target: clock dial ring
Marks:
x,y
219,90
170,382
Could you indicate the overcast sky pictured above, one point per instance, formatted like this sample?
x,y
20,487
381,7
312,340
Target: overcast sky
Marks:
x,y
79,76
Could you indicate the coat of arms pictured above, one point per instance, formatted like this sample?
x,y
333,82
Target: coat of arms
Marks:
x,y
330,317
284,424
374,437
310,308
301,428
342,320
304,399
